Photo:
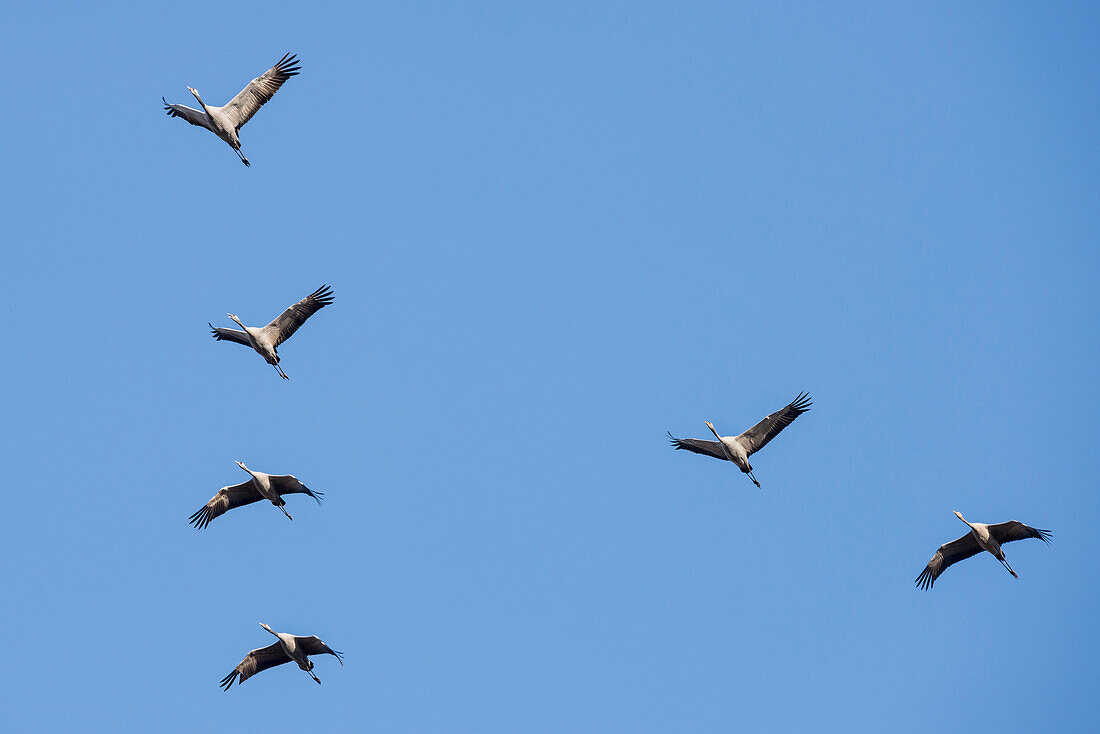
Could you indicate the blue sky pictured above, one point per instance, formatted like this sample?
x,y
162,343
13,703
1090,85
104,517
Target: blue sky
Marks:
x,y
554,232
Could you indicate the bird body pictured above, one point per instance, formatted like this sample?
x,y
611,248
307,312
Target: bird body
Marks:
x,y
985,539
226,121
733,449
266,340
260,486
266,488
288,648
981,537
258,340
737,449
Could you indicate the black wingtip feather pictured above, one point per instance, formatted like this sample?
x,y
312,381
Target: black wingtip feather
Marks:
x,y
323,295
801,403
201,518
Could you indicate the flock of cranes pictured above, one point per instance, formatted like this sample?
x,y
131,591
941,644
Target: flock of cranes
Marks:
x,y
226,122
738,449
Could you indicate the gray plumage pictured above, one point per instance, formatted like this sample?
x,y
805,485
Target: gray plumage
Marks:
x,y
981,537
260,486
266,340
226,122
286,649
738,449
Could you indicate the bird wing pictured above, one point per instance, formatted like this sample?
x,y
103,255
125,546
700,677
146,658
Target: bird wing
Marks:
x,y
284,326
312,645
225,500
230,335
758,436
1006,532
699,446
256,661
947,554
195,117
250,99
290,484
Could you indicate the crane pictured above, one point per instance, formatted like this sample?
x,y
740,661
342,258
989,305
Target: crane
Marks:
x,y
738,449
226,122
287,648
260,486
266,340
981,537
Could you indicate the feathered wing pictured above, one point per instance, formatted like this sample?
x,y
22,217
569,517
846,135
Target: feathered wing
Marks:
x,y
758,436
261,89
699,446
1006,532
229,335
286,323
225,500
195,117
312,645
254,662
290,484
946,555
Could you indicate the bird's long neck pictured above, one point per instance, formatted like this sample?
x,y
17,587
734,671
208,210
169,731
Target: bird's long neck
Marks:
x,y
966,522
714,432
201,103
244,329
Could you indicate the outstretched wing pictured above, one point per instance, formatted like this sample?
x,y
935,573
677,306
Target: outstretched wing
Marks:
x,y
758,436
225,500
699,446
195,117
947,554
229,335
284,326
250,99
290,484
312,645
1006,532
255,661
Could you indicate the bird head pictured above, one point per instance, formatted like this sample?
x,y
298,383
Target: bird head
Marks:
x,y
959,515
195,92
267,628
241,465
235,318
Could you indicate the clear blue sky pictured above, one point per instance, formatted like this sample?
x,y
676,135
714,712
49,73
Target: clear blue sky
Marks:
x,y
554,232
